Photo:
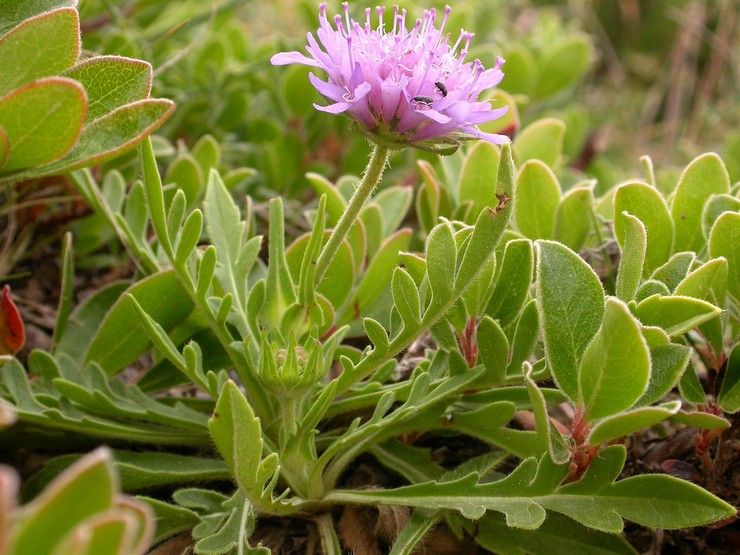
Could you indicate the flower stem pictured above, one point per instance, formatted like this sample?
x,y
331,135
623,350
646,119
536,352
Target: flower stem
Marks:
x,y
371,178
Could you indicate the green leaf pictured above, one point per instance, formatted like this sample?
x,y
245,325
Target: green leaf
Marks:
x,y
120,339
572,305
493,352
714,208
537,200
109,136
725,241
525,337
111,82
675,314
208,153
623,424
647,204
85,319
541,140
615,368
279,286
573,217
335,203
41,46
706,175
477,178
441,259
379,271
13,12
521,69
170,519
690,387
237,433
674,271
394,202
149,469
42,121
85,489
654,500
558,535
406,298
490,225
563,64
729,393
633,246
667,364
513,281
702,420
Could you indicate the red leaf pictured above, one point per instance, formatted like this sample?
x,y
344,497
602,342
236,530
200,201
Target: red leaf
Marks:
x,y
12,334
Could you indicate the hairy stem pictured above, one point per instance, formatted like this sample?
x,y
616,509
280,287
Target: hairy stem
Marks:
x,y
370,180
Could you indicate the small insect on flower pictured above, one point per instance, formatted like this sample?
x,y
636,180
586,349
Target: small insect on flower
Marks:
x,y
407,84
424,100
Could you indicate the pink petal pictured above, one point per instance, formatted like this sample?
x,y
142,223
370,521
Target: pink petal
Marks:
x,y
285,58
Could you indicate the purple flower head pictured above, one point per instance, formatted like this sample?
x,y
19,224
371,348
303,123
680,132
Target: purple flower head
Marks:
x,y
403,87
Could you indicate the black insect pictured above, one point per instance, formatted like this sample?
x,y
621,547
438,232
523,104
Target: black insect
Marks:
x,y
424,100
441,87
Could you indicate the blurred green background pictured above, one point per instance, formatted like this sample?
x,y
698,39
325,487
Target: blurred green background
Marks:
x,y
628,78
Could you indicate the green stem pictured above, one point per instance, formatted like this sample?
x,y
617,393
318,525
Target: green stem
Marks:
x,y
371,178
328,534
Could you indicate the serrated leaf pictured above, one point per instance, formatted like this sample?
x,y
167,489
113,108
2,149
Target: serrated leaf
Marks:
x,y
633,246
42,121
573,217
706,175
615,368
724,240
41,46
571,308
619,425
558,535
537,200
120,340
477,178
647,204
111,82
237,433
675,314
541,140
